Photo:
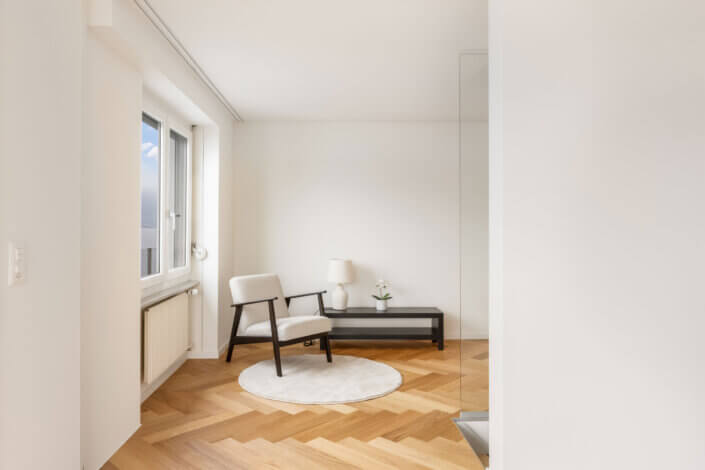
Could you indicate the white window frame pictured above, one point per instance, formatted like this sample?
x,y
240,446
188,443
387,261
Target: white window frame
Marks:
x,y
168,121
173,272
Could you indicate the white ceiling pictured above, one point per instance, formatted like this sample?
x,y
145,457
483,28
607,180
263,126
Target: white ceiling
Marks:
x,y
333,59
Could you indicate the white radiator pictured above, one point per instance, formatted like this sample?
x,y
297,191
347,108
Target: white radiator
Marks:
x,y
166,335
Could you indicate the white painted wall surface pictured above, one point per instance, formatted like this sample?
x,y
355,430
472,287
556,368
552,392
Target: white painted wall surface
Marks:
x,y
40,156
110,220
124,54
128,31
225,235
384,194
603,121
69,191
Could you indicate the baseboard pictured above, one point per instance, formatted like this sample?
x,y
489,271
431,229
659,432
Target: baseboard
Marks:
x,y
148,389
224,346
472,336
203,355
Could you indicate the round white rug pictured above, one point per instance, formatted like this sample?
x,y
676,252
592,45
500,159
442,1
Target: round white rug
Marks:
x,y
310,380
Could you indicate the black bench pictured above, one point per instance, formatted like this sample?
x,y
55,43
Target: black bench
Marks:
x,y
433,333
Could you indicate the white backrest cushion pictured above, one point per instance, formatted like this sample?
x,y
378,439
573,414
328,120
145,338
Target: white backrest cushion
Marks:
x,y
257,287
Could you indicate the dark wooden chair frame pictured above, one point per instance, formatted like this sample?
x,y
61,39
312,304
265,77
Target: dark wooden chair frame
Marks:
x,y
274,339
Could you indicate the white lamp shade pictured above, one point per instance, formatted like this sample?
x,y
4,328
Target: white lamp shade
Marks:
x,y
340,271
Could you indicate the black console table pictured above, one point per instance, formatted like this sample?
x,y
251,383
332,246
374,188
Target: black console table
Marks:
x,y
433,333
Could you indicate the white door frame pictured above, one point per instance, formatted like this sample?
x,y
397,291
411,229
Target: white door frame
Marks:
x,y
496,316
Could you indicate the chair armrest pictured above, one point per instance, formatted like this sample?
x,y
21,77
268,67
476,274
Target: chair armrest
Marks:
x,y
254,302
288,298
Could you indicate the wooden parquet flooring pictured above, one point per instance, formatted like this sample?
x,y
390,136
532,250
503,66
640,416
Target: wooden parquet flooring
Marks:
x,y
202,419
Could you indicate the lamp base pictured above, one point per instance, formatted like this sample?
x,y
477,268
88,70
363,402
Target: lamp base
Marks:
x,y
339,298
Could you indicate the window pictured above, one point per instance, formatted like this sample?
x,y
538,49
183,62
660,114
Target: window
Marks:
x,y
150,191
177,199
165,196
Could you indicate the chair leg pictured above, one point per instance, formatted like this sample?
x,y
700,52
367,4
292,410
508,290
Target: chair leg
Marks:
x,y
233,332
230,352
329,357
277,358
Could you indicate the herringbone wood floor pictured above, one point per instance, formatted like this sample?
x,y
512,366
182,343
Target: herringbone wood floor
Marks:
x,y
201,418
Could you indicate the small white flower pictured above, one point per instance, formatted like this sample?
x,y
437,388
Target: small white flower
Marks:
x,y
382,286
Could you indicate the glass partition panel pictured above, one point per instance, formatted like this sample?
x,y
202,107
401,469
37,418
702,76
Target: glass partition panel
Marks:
x,y
474,240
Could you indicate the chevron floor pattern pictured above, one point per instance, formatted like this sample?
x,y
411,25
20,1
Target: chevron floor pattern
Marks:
x,y
202,419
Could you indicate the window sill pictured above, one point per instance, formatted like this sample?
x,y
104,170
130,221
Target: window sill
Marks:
x,y
167,293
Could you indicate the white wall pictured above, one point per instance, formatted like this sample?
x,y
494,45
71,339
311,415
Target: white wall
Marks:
x,y
124,55
40,155
225,236
110,289
384,194
123,25
601,106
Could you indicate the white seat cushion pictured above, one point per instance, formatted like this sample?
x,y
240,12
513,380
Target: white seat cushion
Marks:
x,y
289,328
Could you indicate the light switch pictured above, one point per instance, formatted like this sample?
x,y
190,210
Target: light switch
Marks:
x,y
16,266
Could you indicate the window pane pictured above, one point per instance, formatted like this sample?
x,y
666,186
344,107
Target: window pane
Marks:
x,y
150,162
179,193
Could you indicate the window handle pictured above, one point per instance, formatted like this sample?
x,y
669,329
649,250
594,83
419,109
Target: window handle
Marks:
x,y
172,219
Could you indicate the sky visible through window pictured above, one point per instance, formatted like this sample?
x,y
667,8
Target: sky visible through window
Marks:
x,y
150,198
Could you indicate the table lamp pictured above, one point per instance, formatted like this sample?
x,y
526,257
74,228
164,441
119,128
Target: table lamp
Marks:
x,y
340,271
